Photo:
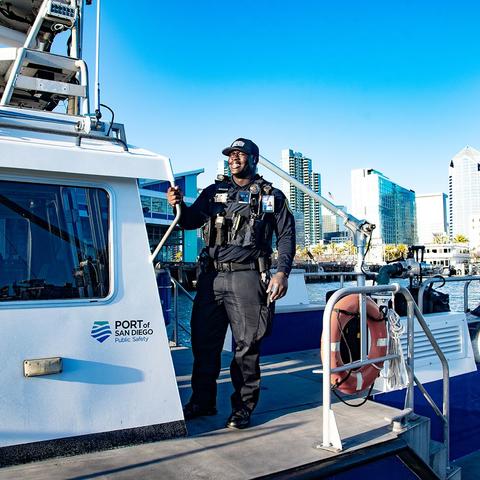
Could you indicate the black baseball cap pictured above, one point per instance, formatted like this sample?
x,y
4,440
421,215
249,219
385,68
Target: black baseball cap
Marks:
x,y
243,145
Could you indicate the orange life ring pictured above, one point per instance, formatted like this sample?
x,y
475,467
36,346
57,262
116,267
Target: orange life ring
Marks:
x,y
343,311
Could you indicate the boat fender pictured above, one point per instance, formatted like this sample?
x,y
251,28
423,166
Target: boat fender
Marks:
x,y
355,381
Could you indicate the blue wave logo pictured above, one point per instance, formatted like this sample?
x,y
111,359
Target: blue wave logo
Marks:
x,y
101,331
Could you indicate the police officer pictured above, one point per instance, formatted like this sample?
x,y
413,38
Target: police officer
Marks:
x,y
239,215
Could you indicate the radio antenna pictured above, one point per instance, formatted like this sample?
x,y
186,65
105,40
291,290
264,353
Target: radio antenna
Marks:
x,y
98,113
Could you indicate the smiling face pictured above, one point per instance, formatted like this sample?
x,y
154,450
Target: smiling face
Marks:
x,y
238,164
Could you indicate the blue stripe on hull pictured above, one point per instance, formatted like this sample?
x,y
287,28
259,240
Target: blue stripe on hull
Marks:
x,y
464,411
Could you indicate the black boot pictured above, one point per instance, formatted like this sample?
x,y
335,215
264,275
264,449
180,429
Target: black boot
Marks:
x,y
239,418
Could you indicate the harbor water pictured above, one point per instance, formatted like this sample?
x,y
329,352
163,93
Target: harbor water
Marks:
x,y
317,294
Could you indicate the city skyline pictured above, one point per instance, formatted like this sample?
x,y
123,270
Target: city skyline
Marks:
x,y
391,86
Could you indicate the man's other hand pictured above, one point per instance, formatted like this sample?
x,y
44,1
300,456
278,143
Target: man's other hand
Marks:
x,y
278,286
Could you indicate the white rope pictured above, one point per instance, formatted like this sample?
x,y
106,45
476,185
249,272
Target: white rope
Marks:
x,y
395,370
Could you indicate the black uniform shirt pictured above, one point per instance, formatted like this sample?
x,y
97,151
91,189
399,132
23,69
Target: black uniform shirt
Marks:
x,y
200,212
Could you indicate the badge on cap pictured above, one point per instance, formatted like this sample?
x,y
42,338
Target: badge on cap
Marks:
x,y
268,203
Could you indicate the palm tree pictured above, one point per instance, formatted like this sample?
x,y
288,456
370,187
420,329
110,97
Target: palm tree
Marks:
x,y
459,238
394,252
318,250
440,238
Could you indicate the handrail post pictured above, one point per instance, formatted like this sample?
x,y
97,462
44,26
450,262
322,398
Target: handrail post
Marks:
x,y
326,367
342,280
465,296
409,401
175,322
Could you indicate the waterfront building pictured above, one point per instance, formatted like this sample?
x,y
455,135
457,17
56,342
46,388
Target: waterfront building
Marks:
x,y
474,232
463,190
448,256
431,216
182,245
386,204
300,167
334,230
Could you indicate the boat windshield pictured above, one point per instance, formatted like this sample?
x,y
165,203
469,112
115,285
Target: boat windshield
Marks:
x,y
53,242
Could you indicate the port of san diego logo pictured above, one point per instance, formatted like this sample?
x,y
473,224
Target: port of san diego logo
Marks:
x,y
101,331
126,331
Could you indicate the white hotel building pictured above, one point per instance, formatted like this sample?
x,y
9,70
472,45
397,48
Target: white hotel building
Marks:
x,y
431,216
464,190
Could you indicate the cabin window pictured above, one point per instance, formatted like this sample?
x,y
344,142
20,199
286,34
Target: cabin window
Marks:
x,y
53,242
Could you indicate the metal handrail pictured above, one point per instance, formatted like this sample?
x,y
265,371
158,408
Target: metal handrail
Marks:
x,y
330,431
176,286
331,438
467,279
445,369
178,212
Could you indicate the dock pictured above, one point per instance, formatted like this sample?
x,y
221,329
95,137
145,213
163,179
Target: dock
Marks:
x,y
281,443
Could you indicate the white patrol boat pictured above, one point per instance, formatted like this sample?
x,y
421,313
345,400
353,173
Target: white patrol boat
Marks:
x,y
84,348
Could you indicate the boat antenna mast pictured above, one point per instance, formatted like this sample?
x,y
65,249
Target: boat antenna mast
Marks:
x,y
98,113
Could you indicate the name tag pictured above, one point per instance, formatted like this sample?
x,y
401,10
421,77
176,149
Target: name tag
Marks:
x,y
243,197
220,197
268,203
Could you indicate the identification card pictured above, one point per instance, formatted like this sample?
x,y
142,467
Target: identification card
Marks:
x,y
268,203
221,197
243,197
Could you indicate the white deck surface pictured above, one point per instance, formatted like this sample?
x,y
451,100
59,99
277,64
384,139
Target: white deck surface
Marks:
x,y
285,428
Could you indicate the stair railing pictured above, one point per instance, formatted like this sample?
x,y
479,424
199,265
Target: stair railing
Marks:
x,y
331,437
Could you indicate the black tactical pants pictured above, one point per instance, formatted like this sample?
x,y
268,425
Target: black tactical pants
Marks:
x,y
239,299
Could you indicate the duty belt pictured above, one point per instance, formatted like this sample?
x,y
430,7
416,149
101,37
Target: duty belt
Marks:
x,y
237,267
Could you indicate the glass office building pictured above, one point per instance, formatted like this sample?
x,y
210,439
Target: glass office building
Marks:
x,y
464,190
386,204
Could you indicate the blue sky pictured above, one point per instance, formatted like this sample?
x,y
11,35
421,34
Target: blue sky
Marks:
x,y
388,85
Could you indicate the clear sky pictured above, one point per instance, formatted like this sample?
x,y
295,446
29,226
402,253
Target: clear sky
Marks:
x,y
390,85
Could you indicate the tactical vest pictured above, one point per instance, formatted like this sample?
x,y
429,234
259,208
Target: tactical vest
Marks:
x,y
240,217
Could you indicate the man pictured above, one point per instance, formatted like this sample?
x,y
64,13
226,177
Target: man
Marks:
x,y
239,216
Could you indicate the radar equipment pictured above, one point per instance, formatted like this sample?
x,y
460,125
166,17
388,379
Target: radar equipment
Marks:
x,y
31,77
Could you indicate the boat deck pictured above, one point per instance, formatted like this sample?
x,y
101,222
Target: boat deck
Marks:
x,y
286,426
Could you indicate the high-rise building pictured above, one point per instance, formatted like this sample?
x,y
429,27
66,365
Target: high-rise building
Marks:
x,y
334,230
384,203
300,168
463,190
222,167
431,216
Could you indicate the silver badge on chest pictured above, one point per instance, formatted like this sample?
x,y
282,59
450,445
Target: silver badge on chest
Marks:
x,y
221,197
